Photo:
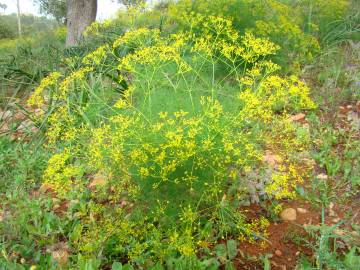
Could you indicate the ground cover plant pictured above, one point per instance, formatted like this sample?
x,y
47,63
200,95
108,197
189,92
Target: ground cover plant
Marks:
x,y
188,137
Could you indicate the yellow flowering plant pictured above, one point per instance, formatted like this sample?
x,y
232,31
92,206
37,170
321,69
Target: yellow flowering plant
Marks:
x,y
183,142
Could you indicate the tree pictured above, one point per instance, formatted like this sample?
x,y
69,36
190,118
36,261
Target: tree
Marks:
x,y
3,6
80,14
131,3
7,26
77,14
18,16
55,8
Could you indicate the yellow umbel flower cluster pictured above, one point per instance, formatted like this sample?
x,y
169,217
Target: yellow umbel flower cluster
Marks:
x,y
37,98
199,111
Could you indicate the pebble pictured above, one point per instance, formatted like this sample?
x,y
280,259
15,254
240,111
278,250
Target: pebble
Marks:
x,y
288,214
56,207
322,176
331,211
38,112
4,127
301,210
339,232
278,253
98,181
297,117
60,253
297,253
19,117
25,125
5,115
61,256
45,188
335,220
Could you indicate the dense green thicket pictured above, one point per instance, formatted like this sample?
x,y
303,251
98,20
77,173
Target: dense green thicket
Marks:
x,y
30,25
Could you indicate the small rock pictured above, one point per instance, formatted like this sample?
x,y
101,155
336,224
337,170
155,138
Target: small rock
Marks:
x,y
44,188
19,116
271,159
38,112
123,203
340,244
34,129
99,180
14,136
5,115
353,117
278,253
25,125
322,176
4,127
61,256
297,253
56,207
342,108
309,161
331,210
297,117
301,210
339,232
335,220
288,214
318,142
59,252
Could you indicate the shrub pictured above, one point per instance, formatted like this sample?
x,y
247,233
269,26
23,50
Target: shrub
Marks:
x,y
180,147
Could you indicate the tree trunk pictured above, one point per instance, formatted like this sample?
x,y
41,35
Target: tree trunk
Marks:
x,y
80,14
18,16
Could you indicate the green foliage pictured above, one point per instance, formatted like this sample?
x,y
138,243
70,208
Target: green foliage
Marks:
x,y
55,8
20,164
341,163
325,249
31,24
226,253
132,3
26,61
6,28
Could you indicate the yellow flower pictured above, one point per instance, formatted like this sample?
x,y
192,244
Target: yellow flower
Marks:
x,y
37,98
144,172
96,57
